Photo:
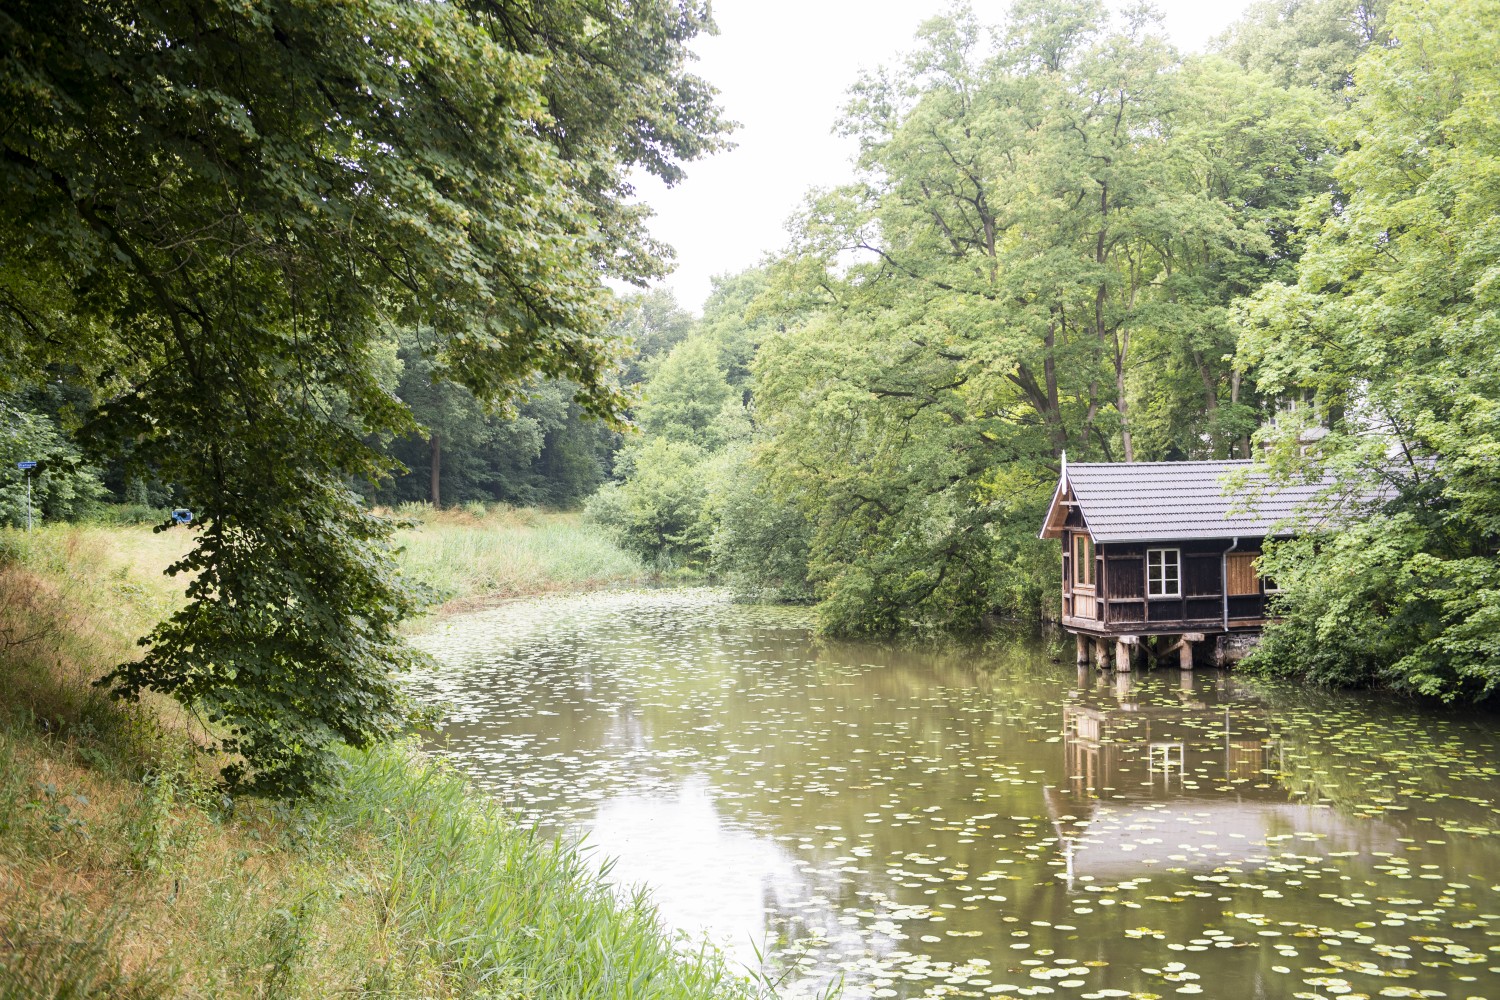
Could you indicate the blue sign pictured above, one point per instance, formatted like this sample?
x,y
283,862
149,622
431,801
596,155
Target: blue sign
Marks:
x,y
26,465
182,515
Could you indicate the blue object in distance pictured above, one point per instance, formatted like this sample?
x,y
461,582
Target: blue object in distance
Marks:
x,y
26,465
182,515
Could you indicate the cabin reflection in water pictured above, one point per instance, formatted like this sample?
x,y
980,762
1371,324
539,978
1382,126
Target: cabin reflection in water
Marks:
x,y
1118,745
1181,776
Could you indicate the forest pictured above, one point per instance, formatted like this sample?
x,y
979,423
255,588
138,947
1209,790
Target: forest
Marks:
x,y
1065,236
1061,236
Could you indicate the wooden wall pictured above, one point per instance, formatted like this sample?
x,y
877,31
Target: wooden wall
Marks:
x,y
1121,589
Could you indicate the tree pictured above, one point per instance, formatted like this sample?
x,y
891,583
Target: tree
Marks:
x,y
761,541
680,496
1306,43
660,511
1054,219
738,316
539,449
226,211
663,506
61,486
1389,331
685,398
1250,155
651,323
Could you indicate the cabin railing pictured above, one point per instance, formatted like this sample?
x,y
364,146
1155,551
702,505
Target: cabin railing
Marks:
x,y
1196,613
1167,610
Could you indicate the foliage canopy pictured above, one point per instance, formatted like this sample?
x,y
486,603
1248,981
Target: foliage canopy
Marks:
x,y
1390,329
1054,219
218,215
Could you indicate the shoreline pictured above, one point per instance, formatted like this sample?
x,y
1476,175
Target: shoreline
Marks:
x,y
483,602
127,872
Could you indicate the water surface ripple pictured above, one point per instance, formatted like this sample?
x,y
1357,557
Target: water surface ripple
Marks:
x,y
984,821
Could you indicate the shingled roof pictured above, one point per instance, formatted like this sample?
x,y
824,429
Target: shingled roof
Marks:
x,y
1165,501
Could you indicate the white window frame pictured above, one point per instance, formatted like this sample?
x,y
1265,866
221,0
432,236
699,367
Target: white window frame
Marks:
x,y
1267,585
1160,578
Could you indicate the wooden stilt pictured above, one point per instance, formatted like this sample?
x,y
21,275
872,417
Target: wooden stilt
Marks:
x,y
1083,649
1185,654
1123,650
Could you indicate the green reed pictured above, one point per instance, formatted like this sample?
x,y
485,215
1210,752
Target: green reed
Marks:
x,y
496,908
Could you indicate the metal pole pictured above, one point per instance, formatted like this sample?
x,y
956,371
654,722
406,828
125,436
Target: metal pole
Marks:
x,y
28,499
1224,579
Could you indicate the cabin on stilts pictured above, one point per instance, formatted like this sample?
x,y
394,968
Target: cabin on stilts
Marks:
x,y
1162,558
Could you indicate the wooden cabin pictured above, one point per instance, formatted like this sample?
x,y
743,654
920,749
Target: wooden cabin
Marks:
x,y
1165,555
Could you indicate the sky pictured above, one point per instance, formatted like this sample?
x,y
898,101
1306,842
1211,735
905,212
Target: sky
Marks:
x,y
783,68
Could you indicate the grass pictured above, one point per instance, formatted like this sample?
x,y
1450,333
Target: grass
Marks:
x,y
124,873
475,555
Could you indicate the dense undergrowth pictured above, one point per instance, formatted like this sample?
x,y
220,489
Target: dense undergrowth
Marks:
x,y
125,873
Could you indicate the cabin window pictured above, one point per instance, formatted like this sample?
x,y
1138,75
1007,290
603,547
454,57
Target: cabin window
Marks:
x,y
1163,573
1083,561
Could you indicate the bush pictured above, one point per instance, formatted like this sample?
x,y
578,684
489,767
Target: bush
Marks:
x,y
1373,606
126,514
661,512
761,541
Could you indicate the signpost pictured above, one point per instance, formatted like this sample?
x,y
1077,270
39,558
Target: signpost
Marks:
x,y
26,467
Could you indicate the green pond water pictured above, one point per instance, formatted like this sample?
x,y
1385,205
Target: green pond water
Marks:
x,y
985,821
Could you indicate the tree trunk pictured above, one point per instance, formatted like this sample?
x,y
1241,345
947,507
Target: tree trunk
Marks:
x,y
1234,397
1210,396
1121,403
437,470
1210,386
1054,402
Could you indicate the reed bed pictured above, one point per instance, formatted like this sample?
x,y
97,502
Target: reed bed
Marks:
x,y
476,554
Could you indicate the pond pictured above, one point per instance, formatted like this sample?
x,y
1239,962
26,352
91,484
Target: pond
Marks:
x,y
985,821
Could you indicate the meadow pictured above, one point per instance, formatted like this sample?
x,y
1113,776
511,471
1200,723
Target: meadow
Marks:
x,y
475,554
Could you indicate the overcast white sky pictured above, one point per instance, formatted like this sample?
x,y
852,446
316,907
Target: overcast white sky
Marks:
x,y
782,68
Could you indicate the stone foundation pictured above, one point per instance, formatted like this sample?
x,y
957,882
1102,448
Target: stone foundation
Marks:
x,y
1234,647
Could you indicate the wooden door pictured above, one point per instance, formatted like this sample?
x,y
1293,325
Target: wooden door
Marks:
x,y
1243,581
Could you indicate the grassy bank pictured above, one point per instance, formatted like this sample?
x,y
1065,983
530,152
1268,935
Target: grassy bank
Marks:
x,y
123,873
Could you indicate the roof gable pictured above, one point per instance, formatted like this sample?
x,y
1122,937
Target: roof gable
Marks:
x,y
1166,501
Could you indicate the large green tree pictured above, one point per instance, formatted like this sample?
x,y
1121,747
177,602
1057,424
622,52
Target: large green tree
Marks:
x,y
1054,219
220,212
651,323
689,414
686,494
1390,331
1307,43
